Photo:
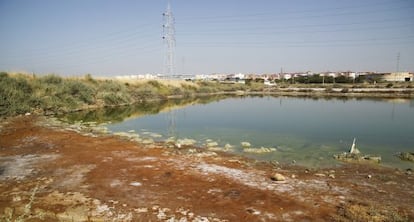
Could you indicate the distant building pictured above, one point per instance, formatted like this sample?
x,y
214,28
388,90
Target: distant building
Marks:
x,y
349,74
332,74
239,76
267,82
135,77
398,77
287,76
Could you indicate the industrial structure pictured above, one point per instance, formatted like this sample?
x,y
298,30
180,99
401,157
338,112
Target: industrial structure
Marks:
x,y
169,69
169,41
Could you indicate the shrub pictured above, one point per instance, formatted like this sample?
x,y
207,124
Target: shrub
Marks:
x,y
177,91
305,90
15,95
111,99
144,92
188,87
111,86
89,78
79,90
233,87
52,79
207,89
155,83
345,90
256,86
3,75
329,89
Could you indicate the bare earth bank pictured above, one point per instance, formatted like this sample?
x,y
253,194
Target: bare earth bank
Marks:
x,y
53,174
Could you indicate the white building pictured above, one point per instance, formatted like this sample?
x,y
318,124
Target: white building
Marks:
x,y
239,76
398,77
139,76
287,76
352,75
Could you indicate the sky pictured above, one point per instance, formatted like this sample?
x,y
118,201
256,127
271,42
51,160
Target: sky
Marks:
x,y
124,37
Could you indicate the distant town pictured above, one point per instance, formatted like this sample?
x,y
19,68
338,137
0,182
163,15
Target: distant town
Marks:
x,y
298,77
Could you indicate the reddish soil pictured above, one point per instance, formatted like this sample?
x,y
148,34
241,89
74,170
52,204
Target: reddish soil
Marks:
x,y
53,174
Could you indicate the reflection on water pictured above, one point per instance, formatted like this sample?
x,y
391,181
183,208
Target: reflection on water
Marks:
x,y
306,130
121,113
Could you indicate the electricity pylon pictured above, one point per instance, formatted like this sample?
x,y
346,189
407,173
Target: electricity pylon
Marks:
x,y
169,72
169,40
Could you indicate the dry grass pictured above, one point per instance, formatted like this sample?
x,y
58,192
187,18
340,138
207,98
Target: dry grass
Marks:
x,y
51,94
166,82
374,212
10,214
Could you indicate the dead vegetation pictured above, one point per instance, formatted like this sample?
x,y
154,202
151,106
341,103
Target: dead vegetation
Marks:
x,y
375,212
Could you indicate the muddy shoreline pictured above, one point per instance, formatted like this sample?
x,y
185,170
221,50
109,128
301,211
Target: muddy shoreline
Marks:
x,y
50,173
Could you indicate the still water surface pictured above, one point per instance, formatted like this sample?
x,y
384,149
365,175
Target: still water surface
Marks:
x,y
304,130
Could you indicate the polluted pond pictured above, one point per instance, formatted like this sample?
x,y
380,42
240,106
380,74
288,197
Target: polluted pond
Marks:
x,y
254,132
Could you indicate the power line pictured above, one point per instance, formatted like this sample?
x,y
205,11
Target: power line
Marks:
x,y
285,16
285,27
81,46
310,43
296,32
96,60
